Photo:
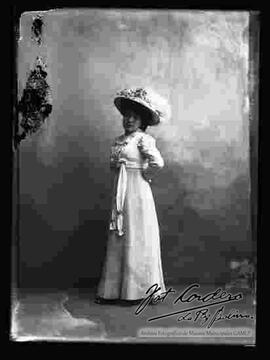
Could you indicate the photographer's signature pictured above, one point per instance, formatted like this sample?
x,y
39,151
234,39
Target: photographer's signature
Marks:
x,y
195,313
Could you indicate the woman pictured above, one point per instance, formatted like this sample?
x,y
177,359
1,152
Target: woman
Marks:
x,y
133,259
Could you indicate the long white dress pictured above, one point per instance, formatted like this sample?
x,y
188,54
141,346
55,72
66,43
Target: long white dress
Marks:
x,y
133,259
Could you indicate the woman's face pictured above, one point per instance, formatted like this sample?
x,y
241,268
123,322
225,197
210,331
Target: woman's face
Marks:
x,y
131,121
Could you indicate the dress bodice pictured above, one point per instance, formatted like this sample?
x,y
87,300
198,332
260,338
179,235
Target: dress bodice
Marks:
x,y
137,148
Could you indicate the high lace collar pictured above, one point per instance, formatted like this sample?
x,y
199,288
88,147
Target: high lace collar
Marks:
x,y
125,139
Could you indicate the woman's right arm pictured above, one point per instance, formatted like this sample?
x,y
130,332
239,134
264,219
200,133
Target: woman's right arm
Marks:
x,y
114,159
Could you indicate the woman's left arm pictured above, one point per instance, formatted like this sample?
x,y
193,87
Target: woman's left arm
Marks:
x,y
149,151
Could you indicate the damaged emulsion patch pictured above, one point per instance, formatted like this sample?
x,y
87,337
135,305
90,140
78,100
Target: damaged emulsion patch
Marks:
x,y
45,317
37,28
35,104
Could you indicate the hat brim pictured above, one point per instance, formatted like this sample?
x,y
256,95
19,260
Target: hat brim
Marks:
x,y
123,103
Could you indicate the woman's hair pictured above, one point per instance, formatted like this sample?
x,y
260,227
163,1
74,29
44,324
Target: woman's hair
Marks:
x,y
138,109
144,125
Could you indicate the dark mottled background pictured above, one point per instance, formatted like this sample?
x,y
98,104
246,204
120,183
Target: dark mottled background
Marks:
x,y
199,61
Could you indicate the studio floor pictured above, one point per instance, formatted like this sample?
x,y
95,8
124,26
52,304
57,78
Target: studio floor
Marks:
x,y
74,316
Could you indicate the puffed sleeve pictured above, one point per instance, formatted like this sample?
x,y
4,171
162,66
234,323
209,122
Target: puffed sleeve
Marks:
x,y
148,149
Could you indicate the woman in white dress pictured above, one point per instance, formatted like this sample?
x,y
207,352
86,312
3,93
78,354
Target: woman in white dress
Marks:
x,y
133,259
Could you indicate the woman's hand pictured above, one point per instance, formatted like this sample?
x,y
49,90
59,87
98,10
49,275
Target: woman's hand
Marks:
x,y
146,176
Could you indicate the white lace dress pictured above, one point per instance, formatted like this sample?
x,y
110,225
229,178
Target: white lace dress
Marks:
x,y
133,259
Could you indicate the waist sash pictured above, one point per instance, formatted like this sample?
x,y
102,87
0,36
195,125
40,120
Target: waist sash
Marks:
x,y
117,219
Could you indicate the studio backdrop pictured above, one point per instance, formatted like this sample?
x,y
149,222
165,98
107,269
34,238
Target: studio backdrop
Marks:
x,y
200,62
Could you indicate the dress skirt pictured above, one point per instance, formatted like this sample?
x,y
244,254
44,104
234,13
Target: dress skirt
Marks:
x,y
133,261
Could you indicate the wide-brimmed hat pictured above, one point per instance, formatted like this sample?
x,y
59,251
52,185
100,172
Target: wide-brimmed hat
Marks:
x,y
152,104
